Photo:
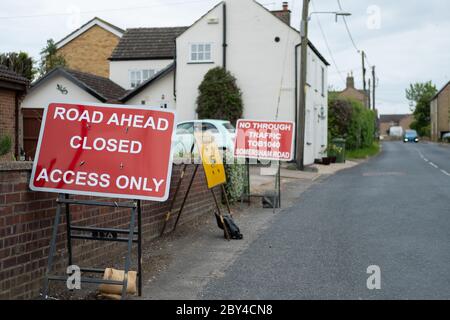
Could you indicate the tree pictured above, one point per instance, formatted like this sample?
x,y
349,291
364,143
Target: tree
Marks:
x,y
219,96
50,58
420,95
21,63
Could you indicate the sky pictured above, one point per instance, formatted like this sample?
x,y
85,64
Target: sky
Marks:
x,y
407,40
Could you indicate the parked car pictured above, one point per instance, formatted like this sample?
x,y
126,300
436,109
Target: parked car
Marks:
x,y
411,136
223,132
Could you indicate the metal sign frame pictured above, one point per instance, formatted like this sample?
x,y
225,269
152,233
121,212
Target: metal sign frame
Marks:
x,y
180,211
134,236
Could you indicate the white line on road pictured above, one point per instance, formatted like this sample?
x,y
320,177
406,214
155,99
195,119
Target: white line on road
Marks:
x,y
445,172
433,165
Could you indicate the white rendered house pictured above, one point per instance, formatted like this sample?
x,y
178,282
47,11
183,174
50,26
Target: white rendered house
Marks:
x,y
165,66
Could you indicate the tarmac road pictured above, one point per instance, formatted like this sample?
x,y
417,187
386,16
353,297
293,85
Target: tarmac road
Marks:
x,y
392,212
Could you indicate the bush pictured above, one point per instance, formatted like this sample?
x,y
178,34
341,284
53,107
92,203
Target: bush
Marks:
x,y
5,145
350,120
219,96
236,181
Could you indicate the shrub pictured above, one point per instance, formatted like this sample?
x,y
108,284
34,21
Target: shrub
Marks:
x,y
236,181
350,120
219,96
5,145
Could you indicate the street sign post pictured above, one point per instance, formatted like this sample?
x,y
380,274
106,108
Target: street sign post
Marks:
x,y
265,140
215,176
105,150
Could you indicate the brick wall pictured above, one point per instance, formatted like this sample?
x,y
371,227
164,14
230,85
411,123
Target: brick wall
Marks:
x,y
26,220
90,51
7,118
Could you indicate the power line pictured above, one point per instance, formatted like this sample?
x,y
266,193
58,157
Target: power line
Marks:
x,y
351,36
327,45
104,10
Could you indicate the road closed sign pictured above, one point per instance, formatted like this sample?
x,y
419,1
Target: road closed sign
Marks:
x,y
265,140
105,150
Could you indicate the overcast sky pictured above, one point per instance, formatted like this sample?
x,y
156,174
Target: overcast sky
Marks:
x,y
407,40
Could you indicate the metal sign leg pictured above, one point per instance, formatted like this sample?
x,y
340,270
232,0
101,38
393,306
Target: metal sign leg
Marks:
x,y
177,190
226,200
52,250
227,234
69,231
139,247
128,258
186,197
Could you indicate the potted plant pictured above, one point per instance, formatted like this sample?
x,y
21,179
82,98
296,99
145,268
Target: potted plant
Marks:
x,y
333,152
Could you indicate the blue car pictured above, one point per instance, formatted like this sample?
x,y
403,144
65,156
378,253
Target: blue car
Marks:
x,y
410,136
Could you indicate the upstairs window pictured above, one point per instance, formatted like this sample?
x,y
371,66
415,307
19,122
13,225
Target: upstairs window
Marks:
x,y
139,76
200,52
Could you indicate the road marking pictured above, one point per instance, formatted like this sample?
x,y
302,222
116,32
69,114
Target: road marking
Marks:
x,y
445,172
433,165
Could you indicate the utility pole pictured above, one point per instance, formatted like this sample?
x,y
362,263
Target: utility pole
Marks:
x,y
374,84
370,94
301,114
364,70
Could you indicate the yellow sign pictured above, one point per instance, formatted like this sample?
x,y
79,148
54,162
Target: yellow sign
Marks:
x,y
212,160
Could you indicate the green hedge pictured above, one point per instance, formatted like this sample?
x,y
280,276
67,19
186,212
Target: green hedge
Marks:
x,y
349,119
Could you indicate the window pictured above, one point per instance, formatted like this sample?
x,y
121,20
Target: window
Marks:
x,y
207,127
186,128
200,52
139,76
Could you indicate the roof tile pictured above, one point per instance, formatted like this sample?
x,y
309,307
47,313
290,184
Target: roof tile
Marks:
x,y
147,43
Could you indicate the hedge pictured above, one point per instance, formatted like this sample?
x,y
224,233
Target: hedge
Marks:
x,y
349,119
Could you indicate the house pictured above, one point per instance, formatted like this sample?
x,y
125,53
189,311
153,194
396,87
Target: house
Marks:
x,y
394,120
439,113
63,85
12,90
164,67
350,92
257,46
88,48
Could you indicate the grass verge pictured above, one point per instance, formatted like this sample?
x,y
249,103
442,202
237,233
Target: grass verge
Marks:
x,y
364,152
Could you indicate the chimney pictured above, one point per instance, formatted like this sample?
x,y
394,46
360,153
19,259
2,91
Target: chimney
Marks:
x,y
350,81
284,14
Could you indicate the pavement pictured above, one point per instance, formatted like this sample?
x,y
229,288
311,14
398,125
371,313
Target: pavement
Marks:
x,y
390,211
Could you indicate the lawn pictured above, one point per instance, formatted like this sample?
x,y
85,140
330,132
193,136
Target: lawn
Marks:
x,y
364,152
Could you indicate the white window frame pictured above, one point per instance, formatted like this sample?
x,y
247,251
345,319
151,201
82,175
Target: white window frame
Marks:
x,y
140,72
204,60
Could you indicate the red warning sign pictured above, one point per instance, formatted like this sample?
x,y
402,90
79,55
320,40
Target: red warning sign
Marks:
x,y
105,150
265,140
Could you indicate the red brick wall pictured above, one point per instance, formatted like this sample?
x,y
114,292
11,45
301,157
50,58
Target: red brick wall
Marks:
x,y
26,220
7,118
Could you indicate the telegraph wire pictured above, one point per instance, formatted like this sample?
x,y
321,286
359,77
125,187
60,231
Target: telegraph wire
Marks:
x,y
328,45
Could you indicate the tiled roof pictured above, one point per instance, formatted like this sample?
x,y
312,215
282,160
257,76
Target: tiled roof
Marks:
x,y
102,88
388,118
147,43
11,76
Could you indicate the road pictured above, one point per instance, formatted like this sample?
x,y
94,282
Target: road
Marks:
x,y
392,212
